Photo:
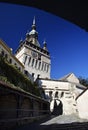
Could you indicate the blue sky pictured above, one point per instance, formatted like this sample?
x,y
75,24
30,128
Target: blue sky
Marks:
x,y
66,42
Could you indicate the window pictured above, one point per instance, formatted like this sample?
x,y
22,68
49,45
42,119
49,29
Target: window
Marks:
x,y
38,76
36,63
32,62
56,95
6,56
26,72
62,94
19,69
29,60
15,65
47,68
10,61
39,65
50,94
42,65
32,74
25,59
2,53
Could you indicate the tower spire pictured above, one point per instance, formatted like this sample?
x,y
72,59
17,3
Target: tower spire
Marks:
x,y
21,40
32,36
33,25
45,45
34,21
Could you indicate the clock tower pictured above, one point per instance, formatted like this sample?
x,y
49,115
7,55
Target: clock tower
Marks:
x,y
35,58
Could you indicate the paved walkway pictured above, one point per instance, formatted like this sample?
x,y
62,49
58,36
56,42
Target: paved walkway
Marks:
x,y
63,119
56,123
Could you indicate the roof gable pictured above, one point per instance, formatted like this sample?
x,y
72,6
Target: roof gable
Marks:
x,y
70,78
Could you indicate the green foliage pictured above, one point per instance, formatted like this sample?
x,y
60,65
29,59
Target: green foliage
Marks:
x,y
83,81
2,78
11,74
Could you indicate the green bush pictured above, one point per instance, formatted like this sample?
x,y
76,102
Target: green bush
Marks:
x,y
10,73
2,78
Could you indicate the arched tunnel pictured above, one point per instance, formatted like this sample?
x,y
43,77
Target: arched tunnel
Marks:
x,y
74,11
58,108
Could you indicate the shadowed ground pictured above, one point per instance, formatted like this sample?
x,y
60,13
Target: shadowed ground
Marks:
x,y
63,122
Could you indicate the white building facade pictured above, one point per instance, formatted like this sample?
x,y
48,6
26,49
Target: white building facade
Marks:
x,y
63,93
82,104
6,52
35,59
60,93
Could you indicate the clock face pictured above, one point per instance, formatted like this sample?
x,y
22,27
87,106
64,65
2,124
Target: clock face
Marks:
x,y
34,54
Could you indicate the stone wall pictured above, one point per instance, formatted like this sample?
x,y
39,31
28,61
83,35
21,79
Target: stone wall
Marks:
x,y
17,107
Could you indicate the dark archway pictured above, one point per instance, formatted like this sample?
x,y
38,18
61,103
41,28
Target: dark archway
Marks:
x,y
58,108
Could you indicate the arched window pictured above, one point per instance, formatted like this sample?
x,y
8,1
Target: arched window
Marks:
x,y
62,94
56,95
50,94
